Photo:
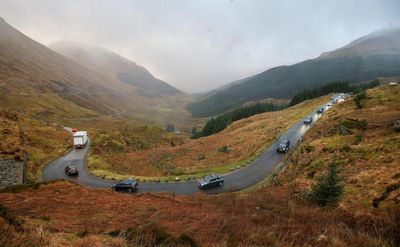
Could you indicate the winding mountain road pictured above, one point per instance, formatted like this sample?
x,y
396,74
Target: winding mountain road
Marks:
x,y
234,181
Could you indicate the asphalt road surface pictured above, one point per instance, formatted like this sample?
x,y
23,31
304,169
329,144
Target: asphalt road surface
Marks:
x,y
234,181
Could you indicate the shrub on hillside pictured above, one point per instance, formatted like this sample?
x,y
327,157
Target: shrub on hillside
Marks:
x,y
223,149
329,187
345,126
358,99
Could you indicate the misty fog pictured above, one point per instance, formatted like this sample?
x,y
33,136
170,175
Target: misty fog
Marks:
x,y
200,45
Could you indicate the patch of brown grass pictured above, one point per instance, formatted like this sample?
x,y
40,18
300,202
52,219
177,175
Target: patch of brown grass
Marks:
x,y
263,217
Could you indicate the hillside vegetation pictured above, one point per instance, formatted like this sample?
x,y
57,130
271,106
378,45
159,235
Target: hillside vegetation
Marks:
x,y
363,141
241,141
23,137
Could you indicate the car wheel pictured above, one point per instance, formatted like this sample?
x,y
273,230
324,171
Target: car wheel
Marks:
x,y
221,183
130,190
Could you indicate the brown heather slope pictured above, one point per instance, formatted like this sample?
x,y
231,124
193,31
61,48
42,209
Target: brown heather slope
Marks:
x,y
72,215
244,139
362,141
30,69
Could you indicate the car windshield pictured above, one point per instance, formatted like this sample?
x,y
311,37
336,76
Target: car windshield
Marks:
x,y
208,178
126,181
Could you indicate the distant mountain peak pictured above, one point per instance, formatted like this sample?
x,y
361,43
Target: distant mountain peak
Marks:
x,y
111,64
383,41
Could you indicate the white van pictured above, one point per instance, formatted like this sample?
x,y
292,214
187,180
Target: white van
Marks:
x,y
80,139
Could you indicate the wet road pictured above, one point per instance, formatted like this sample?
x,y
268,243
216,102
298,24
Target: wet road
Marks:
x,y
234,181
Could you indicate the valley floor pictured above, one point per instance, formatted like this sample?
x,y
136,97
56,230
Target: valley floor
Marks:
x,y
114,155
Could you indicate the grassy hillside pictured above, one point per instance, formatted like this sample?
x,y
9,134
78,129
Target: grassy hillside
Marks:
x,y
243,140
363,142
367,59
66,214
29,68
41,142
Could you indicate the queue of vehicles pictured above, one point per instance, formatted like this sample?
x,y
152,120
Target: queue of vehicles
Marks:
x,y
80,139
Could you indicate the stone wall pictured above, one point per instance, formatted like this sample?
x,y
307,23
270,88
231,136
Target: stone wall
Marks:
x,y
11,172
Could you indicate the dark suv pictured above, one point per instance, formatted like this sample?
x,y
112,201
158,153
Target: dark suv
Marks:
x,y
320,110
129,185
283,146
308,120
211,180
71,170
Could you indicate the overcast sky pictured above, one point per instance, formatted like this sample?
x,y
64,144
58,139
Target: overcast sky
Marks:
x,y
202,44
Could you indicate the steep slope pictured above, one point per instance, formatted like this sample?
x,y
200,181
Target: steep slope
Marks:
x,y
375,55
23,137
119,68
365,144
30,71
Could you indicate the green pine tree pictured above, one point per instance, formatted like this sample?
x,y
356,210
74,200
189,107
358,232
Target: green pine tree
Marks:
x,y
194,131
329,187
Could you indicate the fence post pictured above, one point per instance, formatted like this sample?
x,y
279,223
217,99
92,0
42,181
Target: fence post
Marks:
x,y
22,142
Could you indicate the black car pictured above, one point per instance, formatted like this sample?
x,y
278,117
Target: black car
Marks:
x,y
320,110
71,170
211,180
308,120
283,146
129,185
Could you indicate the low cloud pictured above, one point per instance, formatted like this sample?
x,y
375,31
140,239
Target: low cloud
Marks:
x,y
200,45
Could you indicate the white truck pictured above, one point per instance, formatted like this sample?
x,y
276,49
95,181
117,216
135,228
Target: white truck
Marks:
x,y
80,139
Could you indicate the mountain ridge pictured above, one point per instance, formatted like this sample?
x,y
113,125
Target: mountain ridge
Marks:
x,y
355,65
111,64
